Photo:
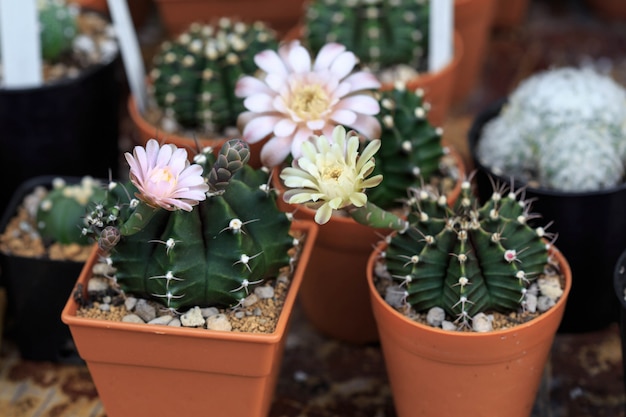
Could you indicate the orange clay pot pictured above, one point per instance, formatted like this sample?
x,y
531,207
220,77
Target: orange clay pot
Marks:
x,y
139,9
281,15
472,19
334,294
145,370
511,13
433,372
145,131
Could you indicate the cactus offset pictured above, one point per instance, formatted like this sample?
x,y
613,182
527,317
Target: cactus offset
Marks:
x,y
193,77
468,259
210,256
61,214
59,27
411,148
382,33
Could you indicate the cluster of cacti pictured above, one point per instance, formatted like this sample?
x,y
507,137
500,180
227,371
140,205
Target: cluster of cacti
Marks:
x,y
60,215
382,33
556,127
411,147
213,255
58,26
467,259
193,77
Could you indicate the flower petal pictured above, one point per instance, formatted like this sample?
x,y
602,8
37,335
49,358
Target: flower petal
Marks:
x,y
343,64
299,59
343,117
259,127
258,103
327,55
270,62
360,103
362,81
248,85
275,151
284,127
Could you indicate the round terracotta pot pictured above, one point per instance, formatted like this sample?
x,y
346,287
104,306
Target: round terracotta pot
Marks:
x,y
472,20
334,294
511,13
145,131
433,372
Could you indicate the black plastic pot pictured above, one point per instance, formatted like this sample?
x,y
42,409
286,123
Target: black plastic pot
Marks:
x,y
70,127
619,284
591,228
37,290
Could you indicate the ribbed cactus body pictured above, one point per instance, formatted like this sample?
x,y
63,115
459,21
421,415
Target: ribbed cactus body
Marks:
x,y
213,255
381,33
466,259
193,77
556,123
61,214
411,149
58,26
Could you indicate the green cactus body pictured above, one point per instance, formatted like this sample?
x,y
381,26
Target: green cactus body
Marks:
x,y
193,77
411,147
467,259
381,33
61,214
59,27
555,127
213,255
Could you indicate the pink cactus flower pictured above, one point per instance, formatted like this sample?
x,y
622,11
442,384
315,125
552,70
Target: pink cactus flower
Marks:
x,y
299,98
165,178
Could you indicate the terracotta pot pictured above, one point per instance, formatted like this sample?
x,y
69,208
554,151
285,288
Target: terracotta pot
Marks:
x,y
472,19
139,9
612,10
439,86
336,273
145,131
145,370
511,13
281,15
433,372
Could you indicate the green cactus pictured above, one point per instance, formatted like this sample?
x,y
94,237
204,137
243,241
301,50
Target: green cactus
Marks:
x,y
467,259
193,77
61,214
211,256
382,33
411,147
59,27
555,127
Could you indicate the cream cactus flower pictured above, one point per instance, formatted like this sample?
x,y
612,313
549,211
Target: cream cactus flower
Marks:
x,y
331,175
165,178
299,98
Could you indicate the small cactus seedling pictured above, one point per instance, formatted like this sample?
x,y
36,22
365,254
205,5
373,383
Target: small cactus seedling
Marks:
x,y
61,214
59,27
193,77
467,259
382,33
411,149
212,255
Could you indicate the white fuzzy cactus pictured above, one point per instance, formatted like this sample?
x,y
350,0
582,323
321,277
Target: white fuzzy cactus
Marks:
x,y
563,129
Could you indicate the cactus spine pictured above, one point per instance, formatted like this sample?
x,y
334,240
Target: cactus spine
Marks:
x,y
411,148
193,77
213,255
382,33
468,259
61,214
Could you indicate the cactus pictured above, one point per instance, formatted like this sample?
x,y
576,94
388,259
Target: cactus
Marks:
x,y
411,147
61,214
467,259
382,33
193,77
555,127
59,27
210,256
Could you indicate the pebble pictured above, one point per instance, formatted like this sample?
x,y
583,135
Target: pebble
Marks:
x,y
97,285
144,310
395,296
209,311
531,303
482,323
550,287
544,303
161,320
250,300
175,322
448,325
105,307
130,303
265,291
132,318
192,318
435,316
219,322
103,270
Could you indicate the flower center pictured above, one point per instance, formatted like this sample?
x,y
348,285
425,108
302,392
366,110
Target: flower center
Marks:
x,y
162,181
309,102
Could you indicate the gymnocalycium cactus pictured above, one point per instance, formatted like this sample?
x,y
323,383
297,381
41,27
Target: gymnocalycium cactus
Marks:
x,y
61,214
467,259
382,33
411,148
556,127
59,27
201,234
193,77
